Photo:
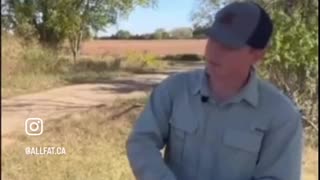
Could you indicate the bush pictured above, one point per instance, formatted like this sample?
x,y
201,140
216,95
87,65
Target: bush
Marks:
x,y
184,57
12,54
199,32
28,67
135,61
292,64
96,64
182,33
40,60
122,34
160,34
21,57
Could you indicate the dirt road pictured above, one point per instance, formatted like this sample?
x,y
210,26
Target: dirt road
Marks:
x,y
57,103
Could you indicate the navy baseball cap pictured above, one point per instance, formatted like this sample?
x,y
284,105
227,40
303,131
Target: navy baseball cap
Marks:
x,y
241,24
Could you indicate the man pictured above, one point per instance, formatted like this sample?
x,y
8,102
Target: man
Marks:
x,y
222,122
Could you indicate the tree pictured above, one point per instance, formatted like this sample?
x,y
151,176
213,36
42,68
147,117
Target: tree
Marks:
x,y
6,24
160,34
199,32
57,20
146,36
292,60
182,33
30,18
122,34
203,14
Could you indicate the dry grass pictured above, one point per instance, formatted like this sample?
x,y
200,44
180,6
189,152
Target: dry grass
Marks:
x,y
94,142
94,145
310,164
11,52
26,67
31,68
28,83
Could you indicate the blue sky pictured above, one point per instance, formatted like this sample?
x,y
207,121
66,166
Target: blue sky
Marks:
x,y
168,14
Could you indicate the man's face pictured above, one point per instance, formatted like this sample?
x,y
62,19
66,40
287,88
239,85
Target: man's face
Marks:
x,y
224,61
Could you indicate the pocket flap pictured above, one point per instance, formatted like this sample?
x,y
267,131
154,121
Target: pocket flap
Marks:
x,y
187,124
242,140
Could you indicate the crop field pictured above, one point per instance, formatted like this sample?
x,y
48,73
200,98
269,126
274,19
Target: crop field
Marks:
x,y
157,47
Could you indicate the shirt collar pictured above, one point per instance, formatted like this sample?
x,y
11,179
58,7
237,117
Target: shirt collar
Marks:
x,y
200,84
248,93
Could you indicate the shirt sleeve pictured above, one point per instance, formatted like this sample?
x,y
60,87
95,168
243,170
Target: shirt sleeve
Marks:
x,y
281,153
149,135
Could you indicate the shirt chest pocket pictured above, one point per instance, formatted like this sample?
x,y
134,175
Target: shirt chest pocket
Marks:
x,y
240,149
242,140
182,131
239,153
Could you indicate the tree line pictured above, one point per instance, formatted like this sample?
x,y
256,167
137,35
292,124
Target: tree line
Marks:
x,y
177,33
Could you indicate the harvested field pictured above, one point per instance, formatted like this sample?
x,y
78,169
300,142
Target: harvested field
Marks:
x,y
158,47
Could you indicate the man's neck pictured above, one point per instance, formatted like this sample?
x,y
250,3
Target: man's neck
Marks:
x,y
225,88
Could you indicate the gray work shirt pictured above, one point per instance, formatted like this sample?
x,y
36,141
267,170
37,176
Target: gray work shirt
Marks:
x,y
256,135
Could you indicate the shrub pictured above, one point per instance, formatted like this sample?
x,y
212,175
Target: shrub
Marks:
x,y
135,61
184,57
28,67
21,57
12,54
292,65
96,64
40,60
182,33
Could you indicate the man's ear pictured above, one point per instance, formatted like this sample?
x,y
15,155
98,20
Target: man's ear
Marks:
x,y
258,55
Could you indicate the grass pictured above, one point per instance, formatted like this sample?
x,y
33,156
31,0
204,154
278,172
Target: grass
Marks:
x,y
310,164
28,83
94,144
28,68
95,147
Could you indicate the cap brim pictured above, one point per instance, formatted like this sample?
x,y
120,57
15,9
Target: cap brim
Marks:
x,y
222,35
